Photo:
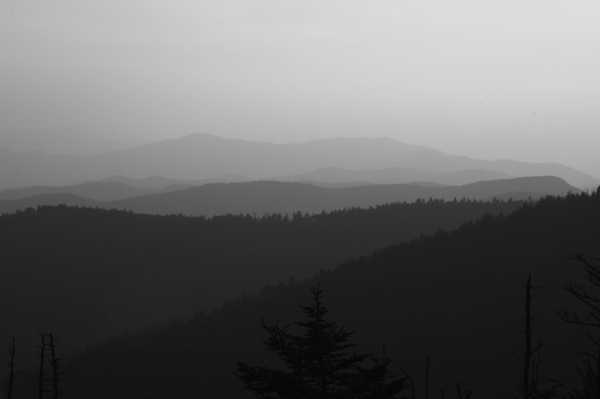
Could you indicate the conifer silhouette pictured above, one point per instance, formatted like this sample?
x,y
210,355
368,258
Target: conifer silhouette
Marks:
x,y
318,363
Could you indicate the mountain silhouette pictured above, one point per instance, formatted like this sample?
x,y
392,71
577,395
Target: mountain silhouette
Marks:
x,y
105,191
204,156
160,182
394,175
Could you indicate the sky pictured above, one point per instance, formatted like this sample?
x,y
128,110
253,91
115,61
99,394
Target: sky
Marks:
x,y
511,79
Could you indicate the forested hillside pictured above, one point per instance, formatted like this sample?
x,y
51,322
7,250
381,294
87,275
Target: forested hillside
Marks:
x,y
453,296
87,274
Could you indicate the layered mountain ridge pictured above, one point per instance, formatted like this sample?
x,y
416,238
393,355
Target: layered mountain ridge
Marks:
x,y
261,197
204,156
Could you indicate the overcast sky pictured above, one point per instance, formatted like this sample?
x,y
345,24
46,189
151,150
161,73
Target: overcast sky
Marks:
x,y
517,79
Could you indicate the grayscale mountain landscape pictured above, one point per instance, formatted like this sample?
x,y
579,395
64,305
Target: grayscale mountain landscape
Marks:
x,y
271,199
126,240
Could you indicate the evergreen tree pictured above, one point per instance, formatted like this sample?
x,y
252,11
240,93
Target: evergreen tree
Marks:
x,y
318,363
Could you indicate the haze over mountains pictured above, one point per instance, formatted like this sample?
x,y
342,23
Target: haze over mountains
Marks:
x,y
394,175
100,191
204,156
63,141
173,173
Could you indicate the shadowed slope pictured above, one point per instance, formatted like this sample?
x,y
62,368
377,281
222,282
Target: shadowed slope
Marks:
x,y
453,296
86,274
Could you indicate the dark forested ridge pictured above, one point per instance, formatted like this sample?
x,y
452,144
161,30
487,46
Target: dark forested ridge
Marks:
x,y
453,296
87,274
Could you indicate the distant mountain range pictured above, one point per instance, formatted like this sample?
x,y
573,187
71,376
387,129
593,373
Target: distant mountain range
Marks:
x,y
203,156
63,141
159,182
270,196
100,191
395,175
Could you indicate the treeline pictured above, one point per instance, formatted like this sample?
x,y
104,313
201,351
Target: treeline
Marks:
x,y
452,297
